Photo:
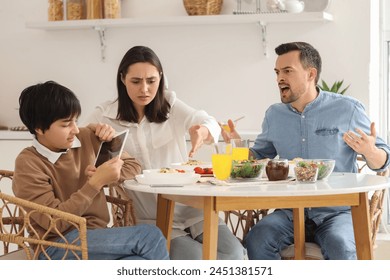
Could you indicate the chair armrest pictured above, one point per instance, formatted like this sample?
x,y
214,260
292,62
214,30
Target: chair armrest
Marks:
x,y
15,219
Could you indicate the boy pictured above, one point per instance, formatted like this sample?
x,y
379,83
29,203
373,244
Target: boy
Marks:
x,y
57,172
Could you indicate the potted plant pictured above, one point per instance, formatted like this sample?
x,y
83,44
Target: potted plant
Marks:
x,y
336,87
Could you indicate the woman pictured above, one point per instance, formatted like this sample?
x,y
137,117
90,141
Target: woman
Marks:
x,y
158,122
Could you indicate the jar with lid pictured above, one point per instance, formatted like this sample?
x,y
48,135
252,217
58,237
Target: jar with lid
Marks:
x,y
94,9
112,8
55,10
277,169
74,9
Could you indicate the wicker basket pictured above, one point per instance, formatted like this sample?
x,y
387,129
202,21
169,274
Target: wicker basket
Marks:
x,y
203,7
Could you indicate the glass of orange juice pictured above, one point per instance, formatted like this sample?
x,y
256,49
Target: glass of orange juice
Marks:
x,y
221,160
225,127
240,149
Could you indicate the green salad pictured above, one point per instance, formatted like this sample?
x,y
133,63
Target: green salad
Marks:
x,y
246,169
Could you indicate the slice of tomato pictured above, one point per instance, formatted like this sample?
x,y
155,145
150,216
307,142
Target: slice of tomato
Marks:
x,y
198,170
208,170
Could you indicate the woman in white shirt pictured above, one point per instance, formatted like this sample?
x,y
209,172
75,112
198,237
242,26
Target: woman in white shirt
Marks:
x,y
158,122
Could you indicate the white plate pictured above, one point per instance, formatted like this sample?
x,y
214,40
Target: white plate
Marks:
x,y
316,5
157,172
180,165
167,181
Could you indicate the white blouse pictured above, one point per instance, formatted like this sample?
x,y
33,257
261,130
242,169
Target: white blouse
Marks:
x,y
157,145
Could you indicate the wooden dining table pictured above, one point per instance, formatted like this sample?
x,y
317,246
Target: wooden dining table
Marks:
x,y
340,189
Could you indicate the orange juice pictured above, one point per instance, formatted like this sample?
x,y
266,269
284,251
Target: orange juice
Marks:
x,y
240,153
226,127
222,165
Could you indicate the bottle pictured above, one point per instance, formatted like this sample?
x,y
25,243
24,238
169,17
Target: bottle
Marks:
x,y
94,9
55,10
74,9
112,8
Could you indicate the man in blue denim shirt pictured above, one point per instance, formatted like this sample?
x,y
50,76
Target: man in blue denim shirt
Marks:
x,y
310,123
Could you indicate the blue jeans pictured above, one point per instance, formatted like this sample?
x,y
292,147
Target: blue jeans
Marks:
x,y
187,248
141,242
275,232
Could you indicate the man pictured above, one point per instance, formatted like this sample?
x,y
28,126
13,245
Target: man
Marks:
x,y
57,171
310,123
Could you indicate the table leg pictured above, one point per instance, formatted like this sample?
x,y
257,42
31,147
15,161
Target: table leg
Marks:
x,y
164,217
362,229
210,229
299,233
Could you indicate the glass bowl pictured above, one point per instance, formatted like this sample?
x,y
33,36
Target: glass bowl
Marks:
x,y
306,171
325,167
244,169
277,169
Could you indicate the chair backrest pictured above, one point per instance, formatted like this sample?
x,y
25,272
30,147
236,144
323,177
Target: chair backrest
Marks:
x,y
15,215
122,209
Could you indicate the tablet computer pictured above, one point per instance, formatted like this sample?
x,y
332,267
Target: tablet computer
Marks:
x,y
109,150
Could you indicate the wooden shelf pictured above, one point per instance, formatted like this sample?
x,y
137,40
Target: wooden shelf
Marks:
x,y
101,25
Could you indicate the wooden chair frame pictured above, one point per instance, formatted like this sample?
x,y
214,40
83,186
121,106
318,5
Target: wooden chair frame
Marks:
x,y
15,219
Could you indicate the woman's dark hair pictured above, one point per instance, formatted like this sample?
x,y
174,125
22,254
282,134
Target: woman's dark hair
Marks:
x,y
42,104
157,110
309,56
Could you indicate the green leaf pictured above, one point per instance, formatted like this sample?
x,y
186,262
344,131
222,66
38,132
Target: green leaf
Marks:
x,y
336,87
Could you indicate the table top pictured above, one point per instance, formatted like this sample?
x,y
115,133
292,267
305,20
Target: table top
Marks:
x,y
337,183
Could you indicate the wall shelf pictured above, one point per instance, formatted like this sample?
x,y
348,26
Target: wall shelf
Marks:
x,y
101,25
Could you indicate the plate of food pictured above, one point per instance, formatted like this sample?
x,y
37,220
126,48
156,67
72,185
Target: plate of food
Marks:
x,y
167,177
191,164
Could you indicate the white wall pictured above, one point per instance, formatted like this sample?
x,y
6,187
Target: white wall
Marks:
x,y
218,68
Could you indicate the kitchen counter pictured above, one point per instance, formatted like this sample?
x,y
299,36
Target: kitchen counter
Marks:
x,y
25,135
15,135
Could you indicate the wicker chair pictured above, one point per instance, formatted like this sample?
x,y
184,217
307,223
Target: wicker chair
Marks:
x,y
241,221
15,220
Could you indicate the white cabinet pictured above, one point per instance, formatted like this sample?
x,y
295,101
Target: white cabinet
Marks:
x,y
11,144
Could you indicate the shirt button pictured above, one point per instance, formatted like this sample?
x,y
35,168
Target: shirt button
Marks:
x,y
303,116
303,139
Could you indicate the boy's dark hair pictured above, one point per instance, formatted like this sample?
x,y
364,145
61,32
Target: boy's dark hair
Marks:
x,y
42,104
309,56
157,110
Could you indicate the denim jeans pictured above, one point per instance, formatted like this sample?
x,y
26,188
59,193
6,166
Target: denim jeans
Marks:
x,y
187,248
275,232
141,242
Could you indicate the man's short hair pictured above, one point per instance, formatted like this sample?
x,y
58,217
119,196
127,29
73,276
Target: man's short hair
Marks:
x,y
309,56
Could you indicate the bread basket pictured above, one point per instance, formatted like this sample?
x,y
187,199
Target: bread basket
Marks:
x,y
203,7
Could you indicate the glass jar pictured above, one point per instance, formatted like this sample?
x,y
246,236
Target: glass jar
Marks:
x,y
74,9
94,9
277,169
55,10
112,8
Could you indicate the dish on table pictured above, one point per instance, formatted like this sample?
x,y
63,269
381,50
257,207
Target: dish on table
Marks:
x,y
191,167
247,169
167,179
164,171
325,166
